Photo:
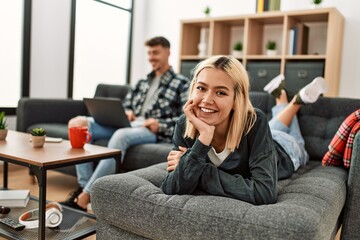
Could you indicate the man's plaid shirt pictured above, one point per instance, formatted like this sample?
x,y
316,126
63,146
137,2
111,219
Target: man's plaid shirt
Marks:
x,y
167,103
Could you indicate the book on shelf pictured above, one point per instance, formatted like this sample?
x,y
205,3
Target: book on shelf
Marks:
x,y
259,6
295,40
14,198
267,5
298,39
291,41
302,38
274,5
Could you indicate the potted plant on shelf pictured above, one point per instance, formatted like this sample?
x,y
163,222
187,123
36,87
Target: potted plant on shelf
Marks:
x,y
207,11
3,126
315,3
38,136
271,48
237,49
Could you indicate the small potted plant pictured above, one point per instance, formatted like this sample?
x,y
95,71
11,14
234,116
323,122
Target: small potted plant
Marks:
x,y
38,136
237,49
207,11
315,3
3,126
271,48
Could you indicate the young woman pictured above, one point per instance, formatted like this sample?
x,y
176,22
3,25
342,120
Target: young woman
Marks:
x,y
224,146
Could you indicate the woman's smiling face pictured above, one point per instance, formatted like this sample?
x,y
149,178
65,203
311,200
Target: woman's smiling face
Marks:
x,y
213,96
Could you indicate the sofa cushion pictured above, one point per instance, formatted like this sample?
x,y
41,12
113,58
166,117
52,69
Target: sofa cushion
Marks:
x,y
145,155
58,130
111,91
263,101
320,121
106,231
308,205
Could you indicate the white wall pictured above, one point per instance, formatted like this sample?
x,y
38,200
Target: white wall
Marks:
x,y
163,18
51,35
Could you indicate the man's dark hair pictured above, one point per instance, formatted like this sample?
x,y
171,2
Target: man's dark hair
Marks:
x,y
158,41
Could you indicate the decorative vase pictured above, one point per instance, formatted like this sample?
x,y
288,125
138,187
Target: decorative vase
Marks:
x,y
3,134
38,141
202,47
270,52
237,53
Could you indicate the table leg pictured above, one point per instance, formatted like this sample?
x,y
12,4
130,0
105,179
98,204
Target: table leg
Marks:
x,y
118,163
40,174
5,177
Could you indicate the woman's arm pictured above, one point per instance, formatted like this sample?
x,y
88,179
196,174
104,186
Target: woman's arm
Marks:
x,y
193,171
260,187
185,177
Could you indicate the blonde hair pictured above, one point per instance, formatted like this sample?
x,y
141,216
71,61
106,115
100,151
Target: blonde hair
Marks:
x,y
243,115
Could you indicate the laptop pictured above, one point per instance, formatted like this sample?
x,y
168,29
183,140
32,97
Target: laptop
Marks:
x,y
107,111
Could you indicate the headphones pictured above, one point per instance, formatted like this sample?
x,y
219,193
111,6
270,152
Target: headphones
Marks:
x,y
53,216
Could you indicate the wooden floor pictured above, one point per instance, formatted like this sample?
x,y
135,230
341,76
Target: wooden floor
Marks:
x,y
59,185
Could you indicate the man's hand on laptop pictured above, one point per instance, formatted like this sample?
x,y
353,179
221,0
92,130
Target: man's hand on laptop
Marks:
x,y
130,115
152,124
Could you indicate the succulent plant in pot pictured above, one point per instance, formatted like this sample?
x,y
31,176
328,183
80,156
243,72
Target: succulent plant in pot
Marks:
x,y
207,11
3,126
38,132
271,48
315,3
38,136
237,49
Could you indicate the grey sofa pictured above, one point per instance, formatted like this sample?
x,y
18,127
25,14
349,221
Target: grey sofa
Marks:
x,y
54,114
312,204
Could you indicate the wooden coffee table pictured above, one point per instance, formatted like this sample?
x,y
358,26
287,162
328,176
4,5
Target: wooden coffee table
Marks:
x,y
17,149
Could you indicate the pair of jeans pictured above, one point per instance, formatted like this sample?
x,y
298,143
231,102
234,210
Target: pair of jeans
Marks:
x,y
122,139
289,137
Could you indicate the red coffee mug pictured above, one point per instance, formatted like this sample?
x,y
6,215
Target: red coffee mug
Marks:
x,y
78,136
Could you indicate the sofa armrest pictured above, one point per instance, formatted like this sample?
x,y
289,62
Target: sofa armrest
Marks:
x,y
33,111
351,217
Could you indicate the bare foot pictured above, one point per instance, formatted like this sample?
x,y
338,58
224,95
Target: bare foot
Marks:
x,y
282,99
83,200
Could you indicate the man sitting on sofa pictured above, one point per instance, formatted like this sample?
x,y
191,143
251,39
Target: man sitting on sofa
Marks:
x,y
152,107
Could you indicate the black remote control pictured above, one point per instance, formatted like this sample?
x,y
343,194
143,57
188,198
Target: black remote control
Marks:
x,y
12,224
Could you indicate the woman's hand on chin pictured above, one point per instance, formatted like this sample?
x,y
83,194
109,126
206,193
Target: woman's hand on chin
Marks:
x,y
206,132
